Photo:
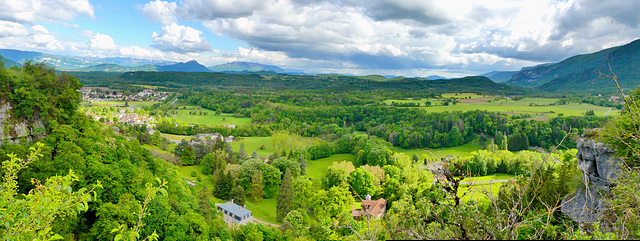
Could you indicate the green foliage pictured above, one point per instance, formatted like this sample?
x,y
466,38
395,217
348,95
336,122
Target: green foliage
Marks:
x,y
286,196
362,182
238,195
296,222
332,202
29,217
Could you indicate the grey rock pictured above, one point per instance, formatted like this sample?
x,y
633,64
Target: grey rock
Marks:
x,y
14,130
600,168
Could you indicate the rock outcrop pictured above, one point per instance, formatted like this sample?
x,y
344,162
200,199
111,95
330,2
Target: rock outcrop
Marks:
x,y
600,168
17,130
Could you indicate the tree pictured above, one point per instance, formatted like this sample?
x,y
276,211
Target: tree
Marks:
x,y
238,195
283,164
30,216
334,177
304,191
242,153
296,221
286,196
223,186
257,191
188,157
362,182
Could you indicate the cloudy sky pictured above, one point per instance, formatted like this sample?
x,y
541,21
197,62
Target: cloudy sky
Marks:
x,y
392,37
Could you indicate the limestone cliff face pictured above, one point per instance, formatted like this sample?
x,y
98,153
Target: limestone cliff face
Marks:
x,y
17,130
599,168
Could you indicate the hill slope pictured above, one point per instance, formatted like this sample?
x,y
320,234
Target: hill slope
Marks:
x,y
625,63
9,63
558,77
500,76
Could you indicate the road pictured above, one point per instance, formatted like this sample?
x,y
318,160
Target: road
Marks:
x,y
265,223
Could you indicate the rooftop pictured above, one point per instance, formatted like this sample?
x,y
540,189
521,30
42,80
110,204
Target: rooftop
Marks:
x,y
234,209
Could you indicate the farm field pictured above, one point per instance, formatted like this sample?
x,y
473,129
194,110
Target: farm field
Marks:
x,y
317,168
478,191
523,106
208,119
464,150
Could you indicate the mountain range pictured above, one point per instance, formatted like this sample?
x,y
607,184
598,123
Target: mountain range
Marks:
x,y
562,77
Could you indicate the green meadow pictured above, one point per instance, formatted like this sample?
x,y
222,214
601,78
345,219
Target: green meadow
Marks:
x,y
536,107
464,150
208,119
252,144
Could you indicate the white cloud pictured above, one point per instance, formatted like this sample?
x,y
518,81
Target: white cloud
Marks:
x,y
12,29
40,38
102,42
180,39
31,11
139,52
160,11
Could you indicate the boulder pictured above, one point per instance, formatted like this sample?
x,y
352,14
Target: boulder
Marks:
x,y
15,130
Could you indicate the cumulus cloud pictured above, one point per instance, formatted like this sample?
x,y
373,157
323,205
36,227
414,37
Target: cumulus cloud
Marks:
x,y
406,34
12,29
214,9
40,38
31,11
180,39
102,42
160,11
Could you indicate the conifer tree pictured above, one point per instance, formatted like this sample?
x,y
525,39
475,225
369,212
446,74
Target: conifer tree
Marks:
x,y
257,189
237,194
286,196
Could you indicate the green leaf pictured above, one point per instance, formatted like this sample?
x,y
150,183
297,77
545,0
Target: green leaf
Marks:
x,y
56,237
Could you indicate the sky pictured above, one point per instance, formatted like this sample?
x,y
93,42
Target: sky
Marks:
x,y
450,38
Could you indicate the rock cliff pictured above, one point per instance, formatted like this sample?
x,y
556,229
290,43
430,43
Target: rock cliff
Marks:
x,y
600,168
17,130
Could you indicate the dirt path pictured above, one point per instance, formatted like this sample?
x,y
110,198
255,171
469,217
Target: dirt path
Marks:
x,y
605,114
265,223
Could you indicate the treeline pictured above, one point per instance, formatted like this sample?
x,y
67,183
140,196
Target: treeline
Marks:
x,y
477,84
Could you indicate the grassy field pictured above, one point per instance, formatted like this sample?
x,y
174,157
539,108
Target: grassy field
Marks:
x,y
317,168
176,137
523,106
264,210
478,191
121,103
496,176
210,119
252,144
464,150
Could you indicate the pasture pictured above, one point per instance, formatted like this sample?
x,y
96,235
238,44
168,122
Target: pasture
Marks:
x,y
252,144
464,150
536,107
208,117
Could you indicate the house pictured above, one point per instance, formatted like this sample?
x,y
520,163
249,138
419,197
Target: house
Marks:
x,y
371,208
234,214
232,126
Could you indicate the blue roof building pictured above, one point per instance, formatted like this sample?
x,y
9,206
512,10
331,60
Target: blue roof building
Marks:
x,y
233,213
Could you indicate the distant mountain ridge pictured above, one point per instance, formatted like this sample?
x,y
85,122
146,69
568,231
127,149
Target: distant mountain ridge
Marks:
x,y
190,66
239,67
500,76
583,71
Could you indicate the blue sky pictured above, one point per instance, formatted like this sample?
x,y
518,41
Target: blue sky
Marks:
x,y
391,37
